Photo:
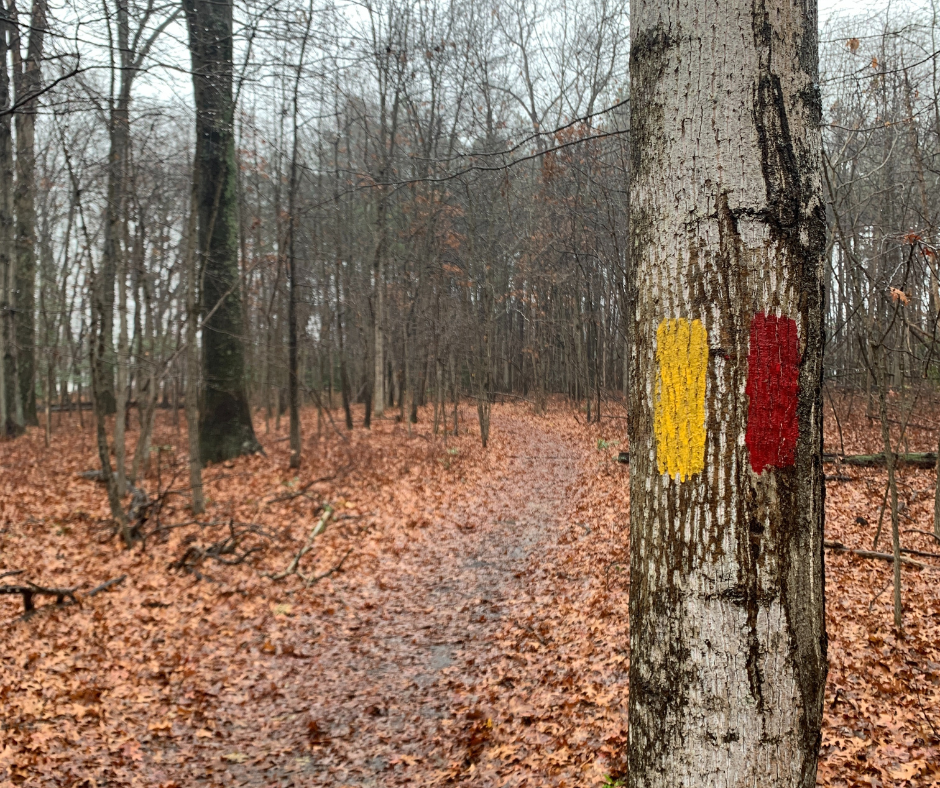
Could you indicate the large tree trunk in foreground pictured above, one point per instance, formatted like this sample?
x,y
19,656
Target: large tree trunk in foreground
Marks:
x,y
728,642
225,428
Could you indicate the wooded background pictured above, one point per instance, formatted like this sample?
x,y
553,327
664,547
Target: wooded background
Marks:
x,y
434,195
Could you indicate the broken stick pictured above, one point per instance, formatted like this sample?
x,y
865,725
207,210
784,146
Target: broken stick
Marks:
x,y
314,533
841,548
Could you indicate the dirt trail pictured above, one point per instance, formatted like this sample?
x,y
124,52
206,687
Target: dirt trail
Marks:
x,y
476,635
439,609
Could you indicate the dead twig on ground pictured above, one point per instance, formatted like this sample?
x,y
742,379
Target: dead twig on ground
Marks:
x,y
610,566
314,533
317,578
302,490
221,550
106,585
532,632
871,605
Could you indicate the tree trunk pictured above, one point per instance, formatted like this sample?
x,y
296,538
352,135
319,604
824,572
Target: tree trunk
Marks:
x,y
225,428
293,387
7,355
879,366
146,404
378,396
343,372
119,140
192,355
27,78
936,498
122,358
114,268
97,364
728,642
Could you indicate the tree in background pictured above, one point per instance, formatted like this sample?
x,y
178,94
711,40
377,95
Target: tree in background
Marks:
x,y
225,428
727,628
27,82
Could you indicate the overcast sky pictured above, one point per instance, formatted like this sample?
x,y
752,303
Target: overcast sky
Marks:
x,y
848,7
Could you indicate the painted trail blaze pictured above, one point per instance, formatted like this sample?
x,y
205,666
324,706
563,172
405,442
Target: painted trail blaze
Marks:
x,y
773,368
679,413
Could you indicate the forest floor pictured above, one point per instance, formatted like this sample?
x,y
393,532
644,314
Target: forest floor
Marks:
x,y
465,619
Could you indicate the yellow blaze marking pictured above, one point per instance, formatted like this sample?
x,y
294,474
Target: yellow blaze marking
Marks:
x,y
679,416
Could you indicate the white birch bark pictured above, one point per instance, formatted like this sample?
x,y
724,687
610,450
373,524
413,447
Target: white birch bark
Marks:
x,y
728,644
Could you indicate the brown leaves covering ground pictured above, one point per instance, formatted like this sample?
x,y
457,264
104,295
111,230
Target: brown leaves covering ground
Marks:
x,y
476,633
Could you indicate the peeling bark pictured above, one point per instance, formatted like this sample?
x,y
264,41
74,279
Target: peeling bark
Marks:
x,y
728,643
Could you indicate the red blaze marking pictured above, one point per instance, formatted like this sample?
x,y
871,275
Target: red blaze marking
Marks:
x,y
773,368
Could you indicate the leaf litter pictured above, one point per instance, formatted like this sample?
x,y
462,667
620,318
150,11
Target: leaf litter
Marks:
x,y
461,619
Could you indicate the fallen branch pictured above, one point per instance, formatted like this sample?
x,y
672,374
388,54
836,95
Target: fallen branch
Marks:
x,y
302,490
922,553
926,459
92,476
923,533
314,533
218,551
105,586
841,548
29,590
328,572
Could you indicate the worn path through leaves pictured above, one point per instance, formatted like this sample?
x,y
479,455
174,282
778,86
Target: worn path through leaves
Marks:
x,y
475,634
414,665
470,627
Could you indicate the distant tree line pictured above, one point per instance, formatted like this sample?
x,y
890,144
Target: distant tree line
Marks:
x,y
242,209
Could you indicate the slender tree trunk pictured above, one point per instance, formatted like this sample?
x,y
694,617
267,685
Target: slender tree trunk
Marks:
x,y
192,355
112,253
147,408
50,392
121,387
727,627
96,358
293,389
27,82
7,327
378,397
936,498
225,429
343,373
455,384
292,371
880,371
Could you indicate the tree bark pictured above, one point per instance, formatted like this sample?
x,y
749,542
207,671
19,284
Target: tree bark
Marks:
x,y
96,362
192,353
879,366
728,641
112,253
27,80
293,383
8,394
343,372
225,428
